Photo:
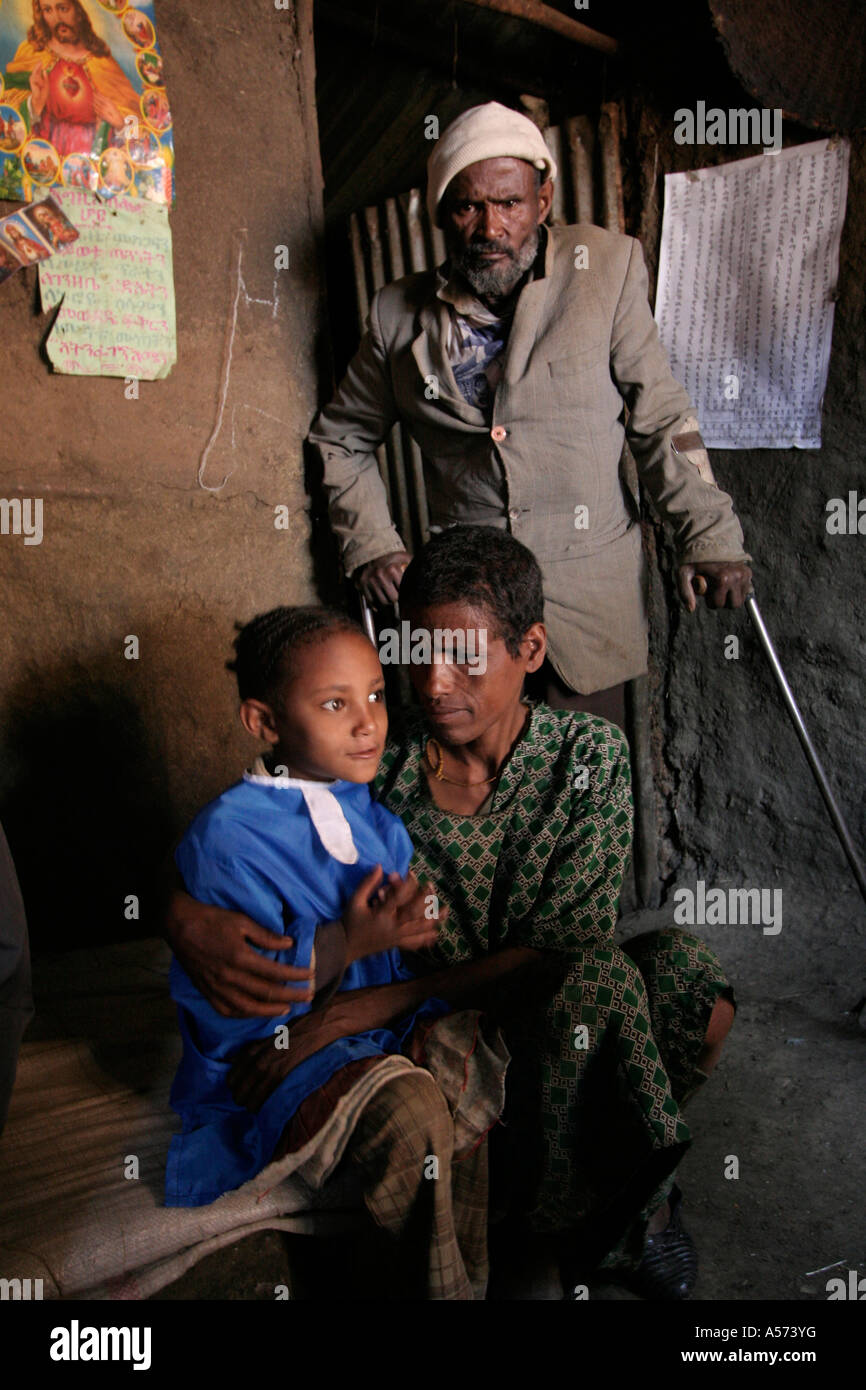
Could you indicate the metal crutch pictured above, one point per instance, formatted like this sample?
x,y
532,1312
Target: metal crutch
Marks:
x,y
367,619
403,688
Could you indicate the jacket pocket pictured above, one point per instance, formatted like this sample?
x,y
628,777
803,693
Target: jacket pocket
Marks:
x,y
578,378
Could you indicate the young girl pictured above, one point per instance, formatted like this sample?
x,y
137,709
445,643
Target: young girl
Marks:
x,y
299,846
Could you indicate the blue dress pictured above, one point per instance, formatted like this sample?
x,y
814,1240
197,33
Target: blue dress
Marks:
x,y
256,849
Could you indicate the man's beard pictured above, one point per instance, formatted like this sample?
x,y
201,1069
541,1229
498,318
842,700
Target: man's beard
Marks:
x,y
65,31
497,280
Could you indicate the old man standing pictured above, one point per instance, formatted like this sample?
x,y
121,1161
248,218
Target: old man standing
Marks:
x,y
521,366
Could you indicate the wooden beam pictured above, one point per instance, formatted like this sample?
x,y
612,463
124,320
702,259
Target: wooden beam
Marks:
x,y
613,212
546,18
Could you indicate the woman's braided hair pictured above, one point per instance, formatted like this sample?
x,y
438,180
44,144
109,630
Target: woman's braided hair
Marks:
x,y
264,646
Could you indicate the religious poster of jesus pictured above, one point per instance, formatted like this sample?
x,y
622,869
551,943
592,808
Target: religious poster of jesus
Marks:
x,y
82,99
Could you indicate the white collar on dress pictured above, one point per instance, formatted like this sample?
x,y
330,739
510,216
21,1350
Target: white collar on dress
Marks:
x,y
324,809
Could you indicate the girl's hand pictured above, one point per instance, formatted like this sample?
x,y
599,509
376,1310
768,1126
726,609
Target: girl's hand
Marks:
x,y
402,913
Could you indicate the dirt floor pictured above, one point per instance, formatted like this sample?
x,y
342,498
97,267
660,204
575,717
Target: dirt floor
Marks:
x,y
787,1101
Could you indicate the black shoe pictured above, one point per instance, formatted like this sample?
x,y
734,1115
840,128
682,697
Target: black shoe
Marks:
x,y
669,1268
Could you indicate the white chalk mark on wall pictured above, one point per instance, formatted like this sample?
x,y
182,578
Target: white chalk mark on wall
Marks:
x,y
241,293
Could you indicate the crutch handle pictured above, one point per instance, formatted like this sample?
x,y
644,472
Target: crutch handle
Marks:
x,y
367,619
699,584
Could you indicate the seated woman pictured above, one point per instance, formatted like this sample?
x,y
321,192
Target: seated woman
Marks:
x,y
521,816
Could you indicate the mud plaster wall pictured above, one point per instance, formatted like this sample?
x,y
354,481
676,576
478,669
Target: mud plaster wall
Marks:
x,y
737,804
103,758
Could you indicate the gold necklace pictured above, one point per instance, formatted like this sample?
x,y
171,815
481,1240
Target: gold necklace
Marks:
x,y
483,781
440,775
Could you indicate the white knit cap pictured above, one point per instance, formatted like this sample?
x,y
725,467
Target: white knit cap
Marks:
x,y
491,131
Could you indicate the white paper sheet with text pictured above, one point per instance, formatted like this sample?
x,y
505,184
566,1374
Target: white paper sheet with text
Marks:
x,y
746,288
116,289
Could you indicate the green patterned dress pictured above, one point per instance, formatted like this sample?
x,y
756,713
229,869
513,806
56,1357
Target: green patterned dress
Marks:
x,y
604,1039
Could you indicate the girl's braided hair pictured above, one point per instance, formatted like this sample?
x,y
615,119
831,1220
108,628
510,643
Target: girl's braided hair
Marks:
x,y
264,646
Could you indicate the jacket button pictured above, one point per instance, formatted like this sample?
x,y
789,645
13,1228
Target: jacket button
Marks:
x,y
498,433
514,513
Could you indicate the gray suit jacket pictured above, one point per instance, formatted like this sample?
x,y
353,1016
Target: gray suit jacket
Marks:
x,y
583,346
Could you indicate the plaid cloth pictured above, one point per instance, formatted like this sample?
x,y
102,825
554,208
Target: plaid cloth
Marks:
x,y
436,1212
442,1111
